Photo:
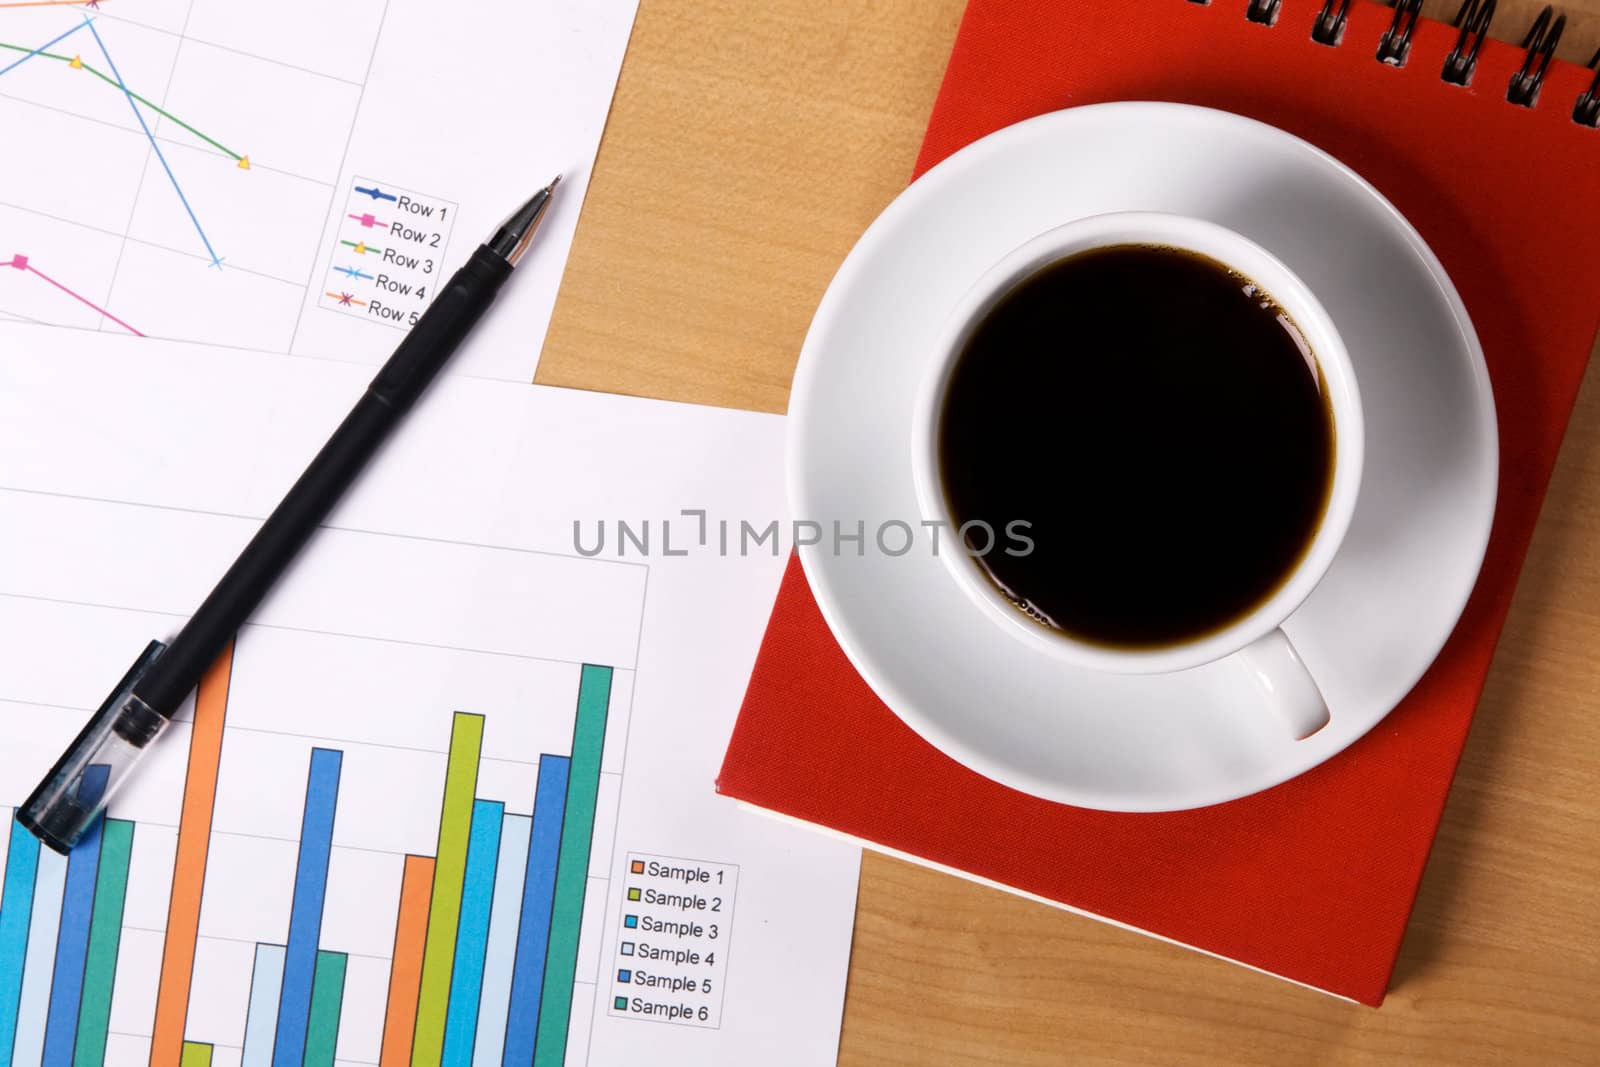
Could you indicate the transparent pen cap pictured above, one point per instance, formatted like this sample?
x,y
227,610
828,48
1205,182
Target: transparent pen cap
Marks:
x,y
77,789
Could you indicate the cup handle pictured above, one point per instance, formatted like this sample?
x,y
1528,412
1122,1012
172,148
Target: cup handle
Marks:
x,y
1288,687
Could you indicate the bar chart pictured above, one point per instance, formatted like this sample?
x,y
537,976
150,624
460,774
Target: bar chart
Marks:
x,y
454,781
490,921
63,917
381,840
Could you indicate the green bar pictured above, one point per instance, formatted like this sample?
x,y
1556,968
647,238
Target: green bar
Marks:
x,y
449,869
572,867
105,934
195,1054
327,996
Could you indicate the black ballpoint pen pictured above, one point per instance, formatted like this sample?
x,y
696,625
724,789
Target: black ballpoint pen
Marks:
x,y
74,793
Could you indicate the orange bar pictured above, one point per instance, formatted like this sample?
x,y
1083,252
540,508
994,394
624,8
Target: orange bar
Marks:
x,y
405,973
189,869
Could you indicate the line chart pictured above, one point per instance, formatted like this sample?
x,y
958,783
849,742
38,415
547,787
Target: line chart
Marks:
x,y
77,63
116,79
30,53
248,135
216,260
116,254
22,263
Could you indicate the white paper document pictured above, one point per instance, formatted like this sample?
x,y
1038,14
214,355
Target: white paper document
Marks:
x,y
448,798
295,176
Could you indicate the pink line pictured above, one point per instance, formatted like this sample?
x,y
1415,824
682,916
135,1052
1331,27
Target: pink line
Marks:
x,y
31,269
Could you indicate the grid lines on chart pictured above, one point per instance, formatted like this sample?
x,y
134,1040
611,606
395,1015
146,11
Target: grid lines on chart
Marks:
x,y
177,161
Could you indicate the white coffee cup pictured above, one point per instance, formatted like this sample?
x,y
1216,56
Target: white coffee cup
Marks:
x,y
1256,642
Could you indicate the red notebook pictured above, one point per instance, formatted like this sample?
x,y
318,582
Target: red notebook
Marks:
x,y
1312,880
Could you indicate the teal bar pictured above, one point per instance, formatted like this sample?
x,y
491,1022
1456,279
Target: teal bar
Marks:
x,y
105,938
327,1002
572,867
472,936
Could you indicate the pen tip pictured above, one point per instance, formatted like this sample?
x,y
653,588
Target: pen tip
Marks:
x,y
511,240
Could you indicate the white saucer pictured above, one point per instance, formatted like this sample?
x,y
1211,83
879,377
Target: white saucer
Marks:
x,y
1156,742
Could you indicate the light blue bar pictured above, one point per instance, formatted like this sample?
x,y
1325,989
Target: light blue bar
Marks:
x,y
538,896
16,908
305,910
38,968
472,935
261,1018
494,1003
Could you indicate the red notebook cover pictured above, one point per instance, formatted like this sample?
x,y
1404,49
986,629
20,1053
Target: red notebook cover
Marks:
x,y
1312,880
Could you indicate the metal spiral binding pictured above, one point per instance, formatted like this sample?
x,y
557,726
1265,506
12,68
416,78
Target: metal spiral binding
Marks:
x,y
1329,27
1396,43
1586,112
1473,20
1541,45
1263,11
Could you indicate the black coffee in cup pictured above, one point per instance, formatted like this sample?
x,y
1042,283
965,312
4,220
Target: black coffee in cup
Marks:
x,y
1161,425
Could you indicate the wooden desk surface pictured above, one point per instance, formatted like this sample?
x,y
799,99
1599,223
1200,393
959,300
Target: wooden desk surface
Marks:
x,y
749,145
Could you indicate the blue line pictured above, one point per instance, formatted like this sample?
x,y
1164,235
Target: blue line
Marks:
x,y
86,20
376,193
216,261
305,909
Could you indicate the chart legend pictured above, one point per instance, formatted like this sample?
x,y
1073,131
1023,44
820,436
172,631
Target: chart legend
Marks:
x,y
672,952
385,265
